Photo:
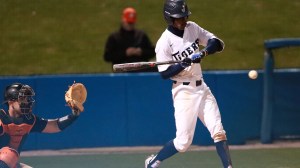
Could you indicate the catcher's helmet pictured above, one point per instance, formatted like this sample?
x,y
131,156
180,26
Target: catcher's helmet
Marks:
x,y
175,9
21,93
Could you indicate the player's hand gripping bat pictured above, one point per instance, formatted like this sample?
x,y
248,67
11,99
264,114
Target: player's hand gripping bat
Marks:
x,y
139,65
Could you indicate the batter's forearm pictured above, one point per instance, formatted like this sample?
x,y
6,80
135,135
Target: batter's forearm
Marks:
x,y
171,71
213,45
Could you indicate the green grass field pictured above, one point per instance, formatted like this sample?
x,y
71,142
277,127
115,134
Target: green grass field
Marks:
x,y
258,158
65,37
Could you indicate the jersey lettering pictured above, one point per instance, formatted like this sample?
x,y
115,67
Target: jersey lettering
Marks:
x,y
176,56
190,50
187,52
184,54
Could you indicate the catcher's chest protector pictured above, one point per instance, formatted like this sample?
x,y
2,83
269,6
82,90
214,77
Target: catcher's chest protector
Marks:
x,y
16,132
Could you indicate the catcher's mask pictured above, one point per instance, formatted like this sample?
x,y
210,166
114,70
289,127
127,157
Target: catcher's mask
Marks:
x,y
23,94
175,9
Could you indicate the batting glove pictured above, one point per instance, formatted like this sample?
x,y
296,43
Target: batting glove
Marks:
x,y
186,62
196,58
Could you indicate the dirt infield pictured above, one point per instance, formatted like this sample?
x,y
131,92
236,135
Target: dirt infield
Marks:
x,y
146,149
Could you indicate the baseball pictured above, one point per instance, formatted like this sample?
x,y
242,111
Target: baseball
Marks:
x,y
253,74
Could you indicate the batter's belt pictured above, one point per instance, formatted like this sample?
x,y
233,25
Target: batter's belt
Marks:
x,y
198,82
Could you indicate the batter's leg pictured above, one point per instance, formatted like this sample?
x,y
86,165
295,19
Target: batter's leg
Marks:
x,y
185,121
211,118
167,151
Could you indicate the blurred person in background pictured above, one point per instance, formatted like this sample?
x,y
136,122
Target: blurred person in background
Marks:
x,y
129,44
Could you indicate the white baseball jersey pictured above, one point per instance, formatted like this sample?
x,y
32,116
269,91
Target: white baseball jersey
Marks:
x,y
171,47
191,100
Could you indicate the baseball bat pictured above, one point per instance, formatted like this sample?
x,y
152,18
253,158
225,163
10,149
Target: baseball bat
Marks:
x,y
139,65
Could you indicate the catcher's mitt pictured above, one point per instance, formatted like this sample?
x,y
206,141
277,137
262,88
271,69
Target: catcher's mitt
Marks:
x,y
75,97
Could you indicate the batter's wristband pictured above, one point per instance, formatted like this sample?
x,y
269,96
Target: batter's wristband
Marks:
x,y
66,121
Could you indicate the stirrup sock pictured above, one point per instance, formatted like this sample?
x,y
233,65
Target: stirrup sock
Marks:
x,y
223,152
167,151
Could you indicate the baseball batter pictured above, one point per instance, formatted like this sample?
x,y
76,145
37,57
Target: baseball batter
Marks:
x,y
192,98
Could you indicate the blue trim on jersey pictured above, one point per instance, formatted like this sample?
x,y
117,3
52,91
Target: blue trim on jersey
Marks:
x,y
176,31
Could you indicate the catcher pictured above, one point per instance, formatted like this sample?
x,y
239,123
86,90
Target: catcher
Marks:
x,y
19,121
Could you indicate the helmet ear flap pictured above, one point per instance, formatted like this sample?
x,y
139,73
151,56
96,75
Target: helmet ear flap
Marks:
x,y
169,19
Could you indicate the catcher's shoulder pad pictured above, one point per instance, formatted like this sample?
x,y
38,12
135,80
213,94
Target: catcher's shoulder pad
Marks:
x,y
76,96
